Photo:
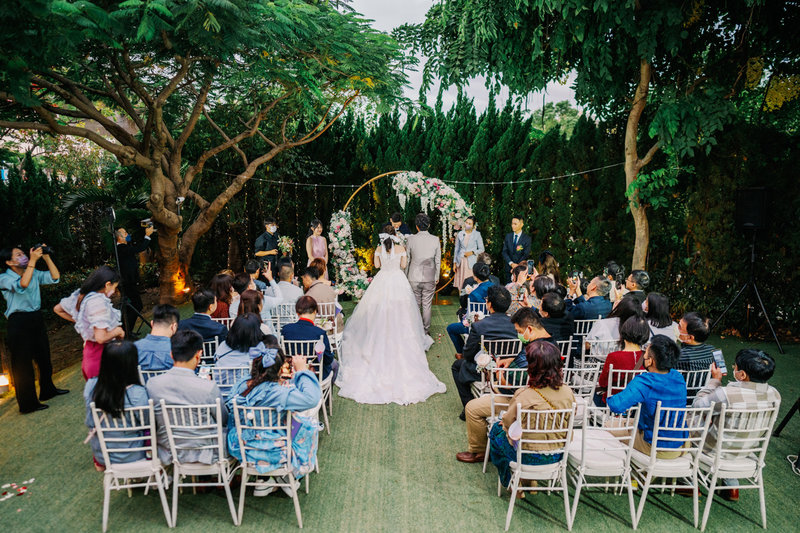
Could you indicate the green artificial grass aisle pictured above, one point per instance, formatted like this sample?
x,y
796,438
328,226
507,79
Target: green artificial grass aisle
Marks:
x,y
383,468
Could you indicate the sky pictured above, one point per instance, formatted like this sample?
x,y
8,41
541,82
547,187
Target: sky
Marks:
x,y
388,14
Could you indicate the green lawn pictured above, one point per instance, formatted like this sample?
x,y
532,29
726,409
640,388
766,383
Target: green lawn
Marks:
x,y
383,468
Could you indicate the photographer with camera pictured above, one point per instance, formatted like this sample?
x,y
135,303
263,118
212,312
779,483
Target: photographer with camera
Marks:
x,y
129,272
27,334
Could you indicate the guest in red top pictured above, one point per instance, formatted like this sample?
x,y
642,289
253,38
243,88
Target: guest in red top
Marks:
x,y
635,332
222,287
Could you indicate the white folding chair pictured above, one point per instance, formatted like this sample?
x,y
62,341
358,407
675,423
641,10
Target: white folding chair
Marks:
x,y
284,314
538,428
583,382
600,454
326,315
193,429
306,348
134,432
226,377
265,419
618,379
677,425
695,382
477,307
227,322
739,452
503,383
501,348
597,350
564,347
209,349
145,375
583,327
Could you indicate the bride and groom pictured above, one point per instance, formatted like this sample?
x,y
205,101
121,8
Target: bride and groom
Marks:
x,y
384,342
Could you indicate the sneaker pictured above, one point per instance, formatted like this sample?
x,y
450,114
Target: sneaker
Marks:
x,y
288,490
263,489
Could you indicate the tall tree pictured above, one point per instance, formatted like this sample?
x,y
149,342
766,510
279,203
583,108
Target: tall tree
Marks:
x,y
670,67
138,77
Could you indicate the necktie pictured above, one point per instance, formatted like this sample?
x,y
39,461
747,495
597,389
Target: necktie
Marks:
x,y
515,241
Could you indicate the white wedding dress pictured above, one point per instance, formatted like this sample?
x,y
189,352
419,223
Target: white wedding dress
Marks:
x,y
384,342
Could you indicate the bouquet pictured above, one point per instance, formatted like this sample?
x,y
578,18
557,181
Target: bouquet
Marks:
x,y
484,361
285,244
471,318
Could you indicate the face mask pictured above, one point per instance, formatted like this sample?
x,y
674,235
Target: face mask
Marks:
x,y
272,229
110,292
522,338
23,261
127,238
468,227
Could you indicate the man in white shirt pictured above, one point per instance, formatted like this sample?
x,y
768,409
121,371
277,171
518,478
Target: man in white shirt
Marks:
x,y
291,292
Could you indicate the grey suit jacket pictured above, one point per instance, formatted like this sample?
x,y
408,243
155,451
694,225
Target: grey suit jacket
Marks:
x,y
180,386
424,257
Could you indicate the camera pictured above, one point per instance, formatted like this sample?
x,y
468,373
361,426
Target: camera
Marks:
x,y
46,250
146,223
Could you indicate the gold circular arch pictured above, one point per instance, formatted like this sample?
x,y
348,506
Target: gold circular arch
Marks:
x,y
379,176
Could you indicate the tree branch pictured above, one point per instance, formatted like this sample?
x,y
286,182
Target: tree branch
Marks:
x,y
225,136
649,155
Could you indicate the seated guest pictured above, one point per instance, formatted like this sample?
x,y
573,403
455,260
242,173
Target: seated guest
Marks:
x,y
541,286
470,281
494,327
115,388
306,330
245,333
637,283
554,317
222,287
608,328
181,386
241,282
616,275
252,302
519,294
321,292
154,349
476,295
253,268
693,330
546,265
265,388
656,308
320,265
594,304
270,299
545,391
204,303
478,410
752,370
634,333
661,383
291,292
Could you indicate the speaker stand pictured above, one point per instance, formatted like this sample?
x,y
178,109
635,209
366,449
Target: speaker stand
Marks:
x,y
751,284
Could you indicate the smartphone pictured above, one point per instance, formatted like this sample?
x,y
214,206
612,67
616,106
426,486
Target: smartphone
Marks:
x,y
531,266
720,361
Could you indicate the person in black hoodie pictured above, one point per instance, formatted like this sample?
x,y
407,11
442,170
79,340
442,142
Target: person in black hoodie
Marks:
x,y
129,273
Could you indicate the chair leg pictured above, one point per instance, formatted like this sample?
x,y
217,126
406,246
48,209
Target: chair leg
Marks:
x,y
106,501
486,456
514,487
175,483
307,476
567,510
632,506
296,501
325,417
227,484
712,486
242,491
762,502
643,498
576,498
330,400
160,483
695,498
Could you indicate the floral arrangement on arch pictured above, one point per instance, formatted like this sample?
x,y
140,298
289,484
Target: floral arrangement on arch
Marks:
x,y
351,279
433,194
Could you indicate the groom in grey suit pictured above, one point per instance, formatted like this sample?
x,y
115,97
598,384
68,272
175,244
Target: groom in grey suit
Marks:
x,y
424,259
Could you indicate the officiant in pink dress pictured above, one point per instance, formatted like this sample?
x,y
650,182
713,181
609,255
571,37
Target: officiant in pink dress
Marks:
x,y
469,244
316,244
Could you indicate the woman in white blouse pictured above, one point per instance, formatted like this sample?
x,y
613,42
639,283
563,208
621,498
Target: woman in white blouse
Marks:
x,y
95,318
469,244
656,307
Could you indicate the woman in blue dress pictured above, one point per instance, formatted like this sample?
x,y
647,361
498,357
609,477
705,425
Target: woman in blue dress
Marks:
x,y
266,388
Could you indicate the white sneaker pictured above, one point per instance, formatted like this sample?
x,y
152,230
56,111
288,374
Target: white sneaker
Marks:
x,y
288,490
263,489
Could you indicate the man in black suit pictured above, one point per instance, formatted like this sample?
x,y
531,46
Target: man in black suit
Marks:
x,y
129,270
204,303
516,246
496,326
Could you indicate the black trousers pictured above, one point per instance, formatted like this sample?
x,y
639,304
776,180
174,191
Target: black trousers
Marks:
x,y
463,380
128,316
27,342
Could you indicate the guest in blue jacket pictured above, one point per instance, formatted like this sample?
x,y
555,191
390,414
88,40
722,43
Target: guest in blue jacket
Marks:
x,y
155,349
661,383
265,388
245,334
594,304
455,330
205,303
306,330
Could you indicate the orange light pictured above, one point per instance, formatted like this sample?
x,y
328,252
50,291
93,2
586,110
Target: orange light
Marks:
x,y
187,289
4,385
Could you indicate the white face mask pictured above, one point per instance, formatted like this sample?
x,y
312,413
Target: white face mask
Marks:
x,y
272,229
468,227
110,292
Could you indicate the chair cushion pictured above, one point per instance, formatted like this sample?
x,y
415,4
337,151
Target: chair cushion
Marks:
x,y
680,466
603,450
744,465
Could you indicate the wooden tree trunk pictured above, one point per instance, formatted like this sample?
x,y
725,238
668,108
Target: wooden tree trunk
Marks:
x,y
174,276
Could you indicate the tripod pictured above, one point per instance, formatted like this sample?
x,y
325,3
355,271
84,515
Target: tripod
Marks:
x,y
751,283
126,306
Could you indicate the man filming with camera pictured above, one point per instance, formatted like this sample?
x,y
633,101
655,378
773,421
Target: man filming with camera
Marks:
x,y
128,253
27,334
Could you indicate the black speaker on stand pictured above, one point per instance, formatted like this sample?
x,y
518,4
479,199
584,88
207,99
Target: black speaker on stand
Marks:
x,y
751,216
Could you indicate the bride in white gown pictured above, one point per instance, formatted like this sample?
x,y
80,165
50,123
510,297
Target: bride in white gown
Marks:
x,y
384,342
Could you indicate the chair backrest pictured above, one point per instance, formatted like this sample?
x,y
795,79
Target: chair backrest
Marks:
x,y
501,348
209,349
604,430
680,427
582,380
129,434
744,432
598,349
564,347
145,375
306,348
284,314
477,307
618,379
551,429
193,428
695,381
226,377
227,322
326,310
262,419
583,327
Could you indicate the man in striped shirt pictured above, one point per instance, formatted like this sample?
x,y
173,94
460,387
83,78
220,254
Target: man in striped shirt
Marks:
x,y
752,370
693,330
